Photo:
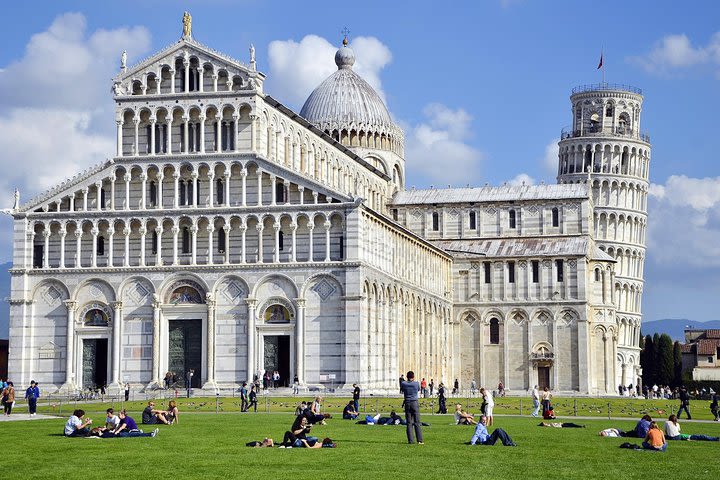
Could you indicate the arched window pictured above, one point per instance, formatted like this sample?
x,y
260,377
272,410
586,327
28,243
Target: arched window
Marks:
x,y
148,130
473,222
101,246
494,331
279,192
512,220
597,274
281,240
102,198
559,266
153,193
220,191
221,240
555,217
154,242
435,222
609,111
183,193
185,240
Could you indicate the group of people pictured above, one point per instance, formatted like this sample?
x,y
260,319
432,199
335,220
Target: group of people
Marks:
x,y
121,425
7,389
655,438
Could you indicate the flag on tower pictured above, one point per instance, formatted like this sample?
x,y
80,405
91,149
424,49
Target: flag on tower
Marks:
x,y
601,60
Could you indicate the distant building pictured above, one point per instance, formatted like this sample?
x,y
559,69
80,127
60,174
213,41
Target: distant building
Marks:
x,y
701,354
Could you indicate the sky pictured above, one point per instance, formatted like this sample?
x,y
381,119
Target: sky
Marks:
x,y
481,89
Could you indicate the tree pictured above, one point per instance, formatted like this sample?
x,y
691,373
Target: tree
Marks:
x,y
665,366
677,361
647,361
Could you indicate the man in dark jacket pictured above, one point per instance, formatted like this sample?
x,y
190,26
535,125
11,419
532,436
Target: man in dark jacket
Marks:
x,y
684,402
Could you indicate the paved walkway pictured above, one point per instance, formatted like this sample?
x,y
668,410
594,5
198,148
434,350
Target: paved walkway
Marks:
x,y
16,417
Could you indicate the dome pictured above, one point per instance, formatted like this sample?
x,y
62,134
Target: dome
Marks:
x,y
346,101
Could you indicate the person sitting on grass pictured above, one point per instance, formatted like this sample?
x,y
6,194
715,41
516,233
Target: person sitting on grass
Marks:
x,y
349,412
672,432
111,420
317,416
129,428
76,427
643,426
463,418
300,409
482,437
298,433
172,415
150,416
655,439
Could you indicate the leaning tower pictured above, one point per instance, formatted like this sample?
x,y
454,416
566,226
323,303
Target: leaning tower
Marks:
x,y
606,148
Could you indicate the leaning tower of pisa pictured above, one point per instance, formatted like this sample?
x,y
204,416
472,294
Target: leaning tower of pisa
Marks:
x,y
606,148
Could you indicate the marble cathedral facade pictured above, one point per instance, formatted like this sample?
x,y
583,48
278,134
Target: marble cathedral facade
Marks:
x,y
229,235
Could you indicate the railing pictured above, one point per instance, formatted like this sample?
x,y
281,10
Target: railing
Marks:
x,y
606,86
567,132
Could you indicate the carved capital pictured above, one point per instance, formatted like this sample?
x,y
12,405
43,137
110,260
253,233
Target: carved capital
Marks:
x,y
71,305
300,302
116,305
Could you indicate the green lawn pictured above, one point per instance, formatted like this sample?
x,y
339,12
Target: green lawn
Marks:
x,y
205,445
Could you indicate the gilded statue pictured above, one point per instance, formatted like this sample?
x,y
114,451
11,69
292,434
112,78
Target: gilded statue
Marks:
x,y
187,25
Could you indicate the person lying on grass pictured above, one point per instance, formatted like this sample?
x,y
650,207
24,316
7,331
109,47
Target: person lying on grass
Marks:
x,y
304,443
266,443
482,437
560,425
349,412
150,416
463,418
672,432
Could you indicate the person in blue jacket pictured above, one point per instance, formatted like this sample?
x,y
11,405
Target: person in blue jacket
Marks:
x,y
31,395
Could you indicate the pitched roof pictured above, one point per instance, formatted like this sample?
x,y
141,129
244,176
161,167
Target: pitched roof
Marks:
x,y
708,346
712,333
517,247
687,347
492,194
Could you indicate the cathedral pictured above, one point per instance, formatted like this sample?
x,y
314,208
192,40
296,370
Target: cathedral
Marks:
x,y
229,236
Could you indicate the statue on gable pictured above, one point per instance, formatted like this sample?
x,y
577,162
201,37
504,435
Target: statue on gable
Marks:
x,y
16,204
187,25
123,60
252,56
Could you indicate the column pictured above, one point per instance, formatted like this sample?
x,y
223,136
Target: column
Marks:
x,y
195,189
236,132
276,256
531,366
158,246
116,336
143,196
273,190
215,79
608,351
259,229
175,231
143,232
259,184
69,345
176,198
201,72
226,230
63,233
243,176
46,248
253,134
85,199
159,179
211,189
72,202
153,121
293,226
98,189
202,133
186,75
94,233
136,143
186,133
127,179
227,188
78,240
243,231
311,227
218,134
111,233
126,260
556,370
301,189
211,247
112,192
300,340
327,226
168,137
119,148
210,383
193,247
172,81
156,343
252,303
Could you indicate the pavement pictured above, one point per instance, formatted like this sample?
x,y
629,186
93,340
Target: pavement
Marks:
x,y
19,416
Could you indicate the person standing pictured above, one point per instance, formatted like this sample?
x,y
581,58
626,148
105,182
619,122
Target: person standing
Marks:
x,y
244,398
535,395
442,401
473,387
411,390
8,398
456,387
431,386
714,406
489,405
400,382
127,392
31,395
253,399
423,387
356,397
546,396
684,403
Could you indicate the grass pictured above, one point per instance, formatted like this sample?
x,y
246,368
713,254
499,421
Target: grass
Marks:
x,y
566,407
213,446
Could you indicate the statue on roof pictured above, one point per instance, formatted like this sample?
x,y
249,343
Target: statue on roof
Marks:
x,y
16,205
187,25
123,60
252,56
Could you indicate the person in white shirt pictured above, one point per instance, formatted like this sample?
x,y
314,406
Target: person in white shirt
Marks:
x,y
489,404
111,420
75,427
536,401
672,432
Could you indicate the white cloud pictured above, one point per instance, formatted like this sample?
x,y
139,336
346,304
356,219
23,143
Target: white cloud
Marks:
x,y
436,150
550,160
674,52
55,103
521,179
684,222
296,68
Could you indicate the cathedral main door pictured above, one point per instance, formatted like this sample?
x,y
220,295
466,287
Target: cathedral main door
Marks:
x,y
94,363
185,352
277,356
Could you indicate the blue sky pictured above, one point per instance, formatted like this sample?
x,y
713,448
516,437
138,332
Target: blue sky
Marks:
x,y
480,87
